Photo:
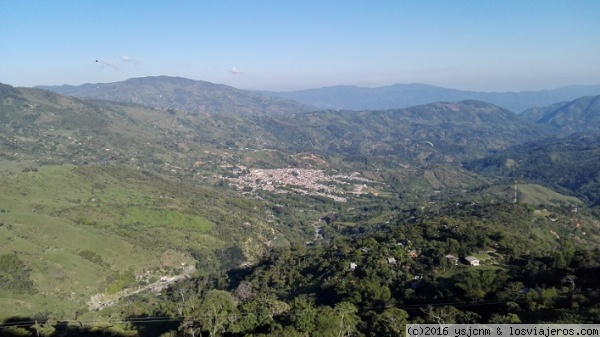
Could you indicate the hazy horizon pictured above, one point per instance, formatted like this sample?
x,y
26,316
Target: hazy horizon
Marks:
x,y
494,46
316,88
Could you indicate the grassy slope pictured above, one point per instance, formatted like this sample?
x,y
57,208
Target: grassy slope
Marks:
x,y
539,195
134,221
50,216
532,194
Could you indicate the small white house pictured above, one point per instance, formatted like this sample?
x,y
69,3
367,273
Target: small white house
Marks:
x,y
472,260
353,266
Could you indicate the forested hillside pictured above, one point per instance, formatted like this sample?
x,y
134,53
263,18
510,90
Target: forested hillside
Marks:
x,y
48,126
437,133
535,266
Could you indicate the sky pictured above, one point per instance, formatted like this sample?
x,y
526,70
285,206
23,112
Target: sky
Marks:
x,y
492,45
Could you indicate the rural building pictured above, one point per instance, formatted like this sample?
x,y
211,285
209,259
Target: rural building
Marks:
x,y
472,260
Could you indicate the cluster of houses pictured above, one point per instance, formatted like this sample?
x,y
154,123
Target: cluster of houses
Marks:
x,y
305,181
470,260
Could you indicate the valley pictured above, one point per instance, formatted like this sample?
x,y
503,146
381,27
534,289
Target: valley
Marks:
x,y
118,206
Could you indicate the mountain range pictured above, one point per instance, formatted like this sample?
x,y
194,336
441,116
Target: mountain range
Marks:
x,y
568,161
404,95
184,94
201,96
437,132
194,112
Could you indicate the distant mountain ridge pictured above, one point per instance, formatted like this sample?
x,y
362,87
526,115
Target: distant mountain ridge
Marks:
x,y
404,95
184,94
206,97
582,114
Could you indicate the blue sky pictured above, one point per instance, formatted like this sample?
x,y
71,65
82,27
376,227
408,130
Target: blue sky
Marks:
x,y
287,45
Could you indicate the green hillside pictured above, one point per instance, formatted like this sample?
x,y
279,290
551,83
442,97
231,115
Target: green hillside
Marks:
x,y
76,229
568,165
579,115
532,194
434,133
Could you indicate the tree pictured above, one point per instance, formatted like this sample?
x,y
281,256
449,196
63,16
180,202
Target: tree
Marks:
x,y
340,321
449,315
477,284
570,281
260,311
539,299
511,291
392,322
303,315
215,314
510,318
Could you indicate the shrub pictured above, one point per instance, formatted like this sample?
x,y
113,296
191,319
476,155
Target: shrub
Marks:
x,y
14,275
